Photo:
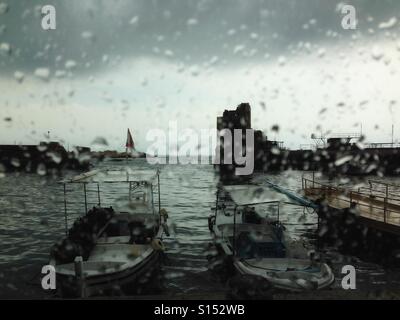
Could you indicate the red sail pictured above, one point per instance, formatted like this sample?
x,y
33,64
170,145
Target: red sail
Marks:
x,y
129,141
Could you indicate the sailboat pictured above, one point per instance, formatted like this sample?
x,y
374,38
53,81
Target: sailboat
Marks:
x,y
130,151
130,147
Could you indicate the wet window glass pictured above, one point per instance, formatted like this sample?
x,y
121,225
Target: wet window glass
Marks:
x,y
199,149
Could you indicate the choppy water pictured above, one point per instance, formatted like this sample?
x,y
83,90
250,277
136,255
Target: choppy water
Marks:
x,y
32,219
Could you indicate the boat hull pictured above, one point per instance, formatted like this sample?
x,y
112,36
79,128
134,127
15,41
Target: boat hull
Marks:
x,y
265,270
132,280
300,282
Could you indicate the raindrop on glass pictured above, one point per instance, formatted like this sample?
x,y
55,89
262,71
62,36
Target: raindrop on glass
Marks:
x,y
42,73
19,76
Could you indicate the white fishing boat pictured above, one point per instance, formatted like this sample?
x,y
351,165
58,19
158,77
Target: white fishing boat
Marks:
x,y
111,250
257,245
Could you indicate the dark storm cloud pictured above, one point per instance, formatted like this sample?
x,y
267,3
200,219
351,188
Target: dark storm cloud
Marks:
x,y
186,31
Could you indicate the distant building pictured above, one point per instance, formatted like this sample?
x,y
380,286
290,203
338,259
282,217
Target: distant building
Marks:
x,y
230,120
338,155
267,153
235,119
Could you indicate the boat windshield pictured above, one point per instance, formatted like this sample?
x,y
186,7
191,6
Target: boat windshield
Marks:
x,y
253,244
139,227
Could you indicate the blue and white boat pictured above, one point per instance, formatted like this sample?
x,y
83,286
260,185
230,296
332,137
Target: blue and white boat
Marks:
x,y
257,244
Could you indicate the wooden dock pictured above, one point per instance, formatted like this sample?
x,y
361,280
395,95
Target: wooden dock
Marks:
x,y
377,206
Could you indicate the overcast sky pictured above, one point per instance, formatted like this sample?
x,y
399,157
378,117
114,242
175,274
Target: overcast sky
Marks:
x,y
139,64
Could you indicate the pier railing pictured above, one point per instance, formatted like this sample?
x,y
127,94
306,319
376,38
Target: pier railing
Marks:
x,y
371,204
391,190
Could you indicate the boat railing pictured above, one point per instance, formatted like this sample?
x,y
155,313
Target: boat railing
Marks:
x,y
95,196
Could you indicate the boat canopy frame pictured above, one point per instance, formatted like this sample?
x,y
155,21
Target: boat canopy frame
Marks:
x,y
133,179
280,196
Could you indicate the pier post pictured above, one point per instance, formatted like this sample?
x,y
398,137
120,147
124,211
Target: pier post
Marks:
x,y
159,193
313,179
278,211
384,209
80,278
98,194
234,231
84,191
65,210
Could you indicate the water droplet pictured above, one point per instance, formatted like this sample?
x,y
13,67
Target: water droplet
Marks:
x,y
134,20
194,71
55,157
5,48
42,73
41,169
341,104
15,162
192,22
281,61
60,74
100,141
3,8
181,67
323,230
87,35
42,147
19,76
339,6
253,36
377,53
371,168
12,286
70,64
275,150
238,48
388,24
231,32
144,82
343,160
169,53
